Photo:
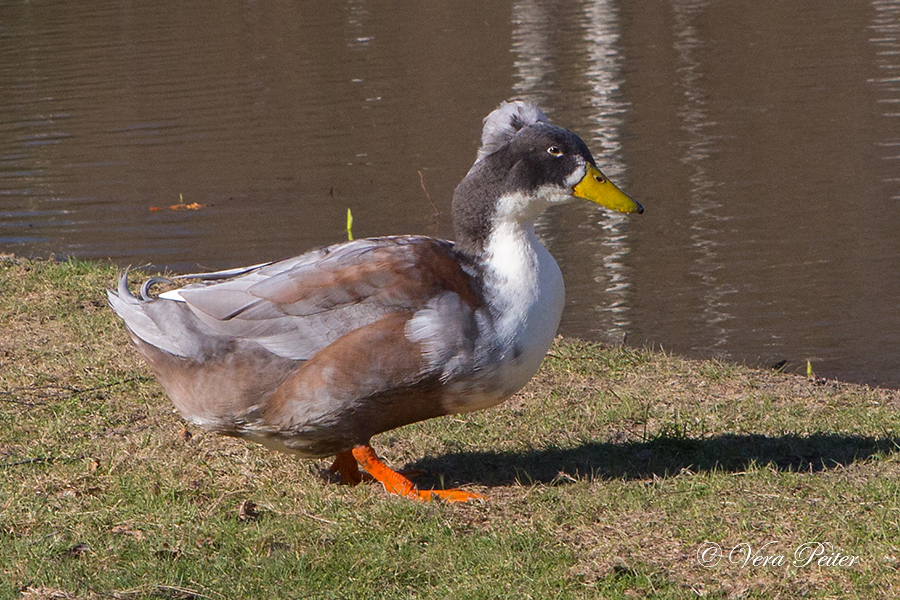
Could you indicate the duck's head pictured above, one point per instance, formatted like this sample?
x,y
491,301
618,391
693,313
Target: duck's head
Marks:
x,y
524,165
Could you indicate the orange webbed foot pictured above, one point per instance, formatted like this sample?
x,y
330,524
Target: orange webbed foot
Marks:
x,y
395,483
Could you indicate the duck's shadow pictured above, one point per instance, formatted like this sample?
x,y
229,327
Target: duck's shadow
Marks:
x,y
661,457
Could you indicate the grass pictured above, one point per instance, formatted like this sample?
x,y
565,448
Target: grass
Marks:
x,y
605,477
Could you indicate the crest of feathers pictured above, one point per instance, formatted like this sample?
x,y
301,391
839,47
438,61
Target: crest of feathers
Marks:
x,y
504,122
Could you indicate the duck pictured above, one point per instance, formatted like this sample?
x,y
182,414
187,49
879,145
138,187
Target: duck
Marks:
x,y
315,355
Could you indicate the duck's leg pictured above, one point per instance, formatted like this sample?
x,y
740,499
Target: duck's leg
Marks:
x,y
395,483
345,464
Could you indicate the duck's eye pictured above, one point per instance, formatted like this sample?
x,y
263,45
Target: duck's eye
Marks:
x,y
554,150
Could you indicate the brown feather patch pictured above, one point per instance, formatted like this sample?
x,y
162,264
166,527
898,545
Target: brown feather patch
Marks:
x,y
369,381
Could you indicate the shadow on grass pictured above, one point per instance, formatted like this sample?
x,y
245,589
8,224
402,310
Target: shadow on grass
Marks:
x,y
660,457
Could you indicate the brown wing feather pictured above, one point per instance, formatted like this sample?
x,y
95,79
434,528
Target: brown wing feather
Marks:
x,y
297,307
396,272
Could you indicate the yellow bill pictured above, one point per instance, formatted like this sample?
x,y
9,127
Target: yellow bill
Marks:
x,y
594,186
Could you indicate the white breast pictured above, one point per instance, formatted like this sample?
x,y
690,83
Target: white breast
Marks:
x,y
527,295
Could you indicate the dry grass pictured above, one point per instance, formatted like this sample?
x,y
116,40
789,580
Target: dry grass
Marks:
x,y
605,476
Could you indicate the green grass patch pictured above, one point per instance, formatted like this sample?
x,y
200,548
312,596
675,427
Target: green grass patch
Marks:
x,y
605,476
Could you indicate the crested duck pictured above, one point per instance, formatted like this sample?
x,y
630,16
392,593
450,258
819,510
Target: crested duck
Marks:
x,y
316,354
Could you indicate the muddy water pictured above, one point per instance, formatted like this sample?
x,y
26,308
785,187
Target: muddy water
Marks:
x,y
762,137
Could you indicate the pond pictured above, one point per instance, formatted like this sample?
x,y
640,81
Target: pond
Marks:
x,y
763,139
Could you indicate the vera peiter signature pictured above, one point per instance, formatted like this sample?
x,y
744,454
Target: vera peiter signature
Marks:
x,y
809,554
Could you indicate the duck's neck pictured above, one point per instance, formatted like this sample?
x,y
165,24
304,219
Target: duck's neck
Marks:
x,y
498,233
518,269
512,259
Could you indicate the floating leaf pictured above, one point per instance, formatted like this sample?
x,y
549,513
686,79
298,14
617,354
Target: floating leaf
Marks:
x,y
180,206
191,206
